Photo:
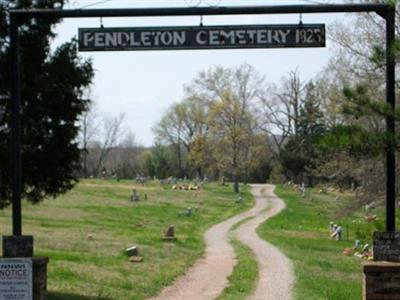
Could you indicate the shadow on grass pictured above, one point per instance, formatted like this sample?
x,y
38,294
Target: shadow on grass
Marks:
x,y
70,296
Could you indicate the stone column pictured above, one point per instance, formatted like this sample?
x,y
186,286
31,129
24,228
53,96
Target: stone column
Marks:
x,y
382,276
381,280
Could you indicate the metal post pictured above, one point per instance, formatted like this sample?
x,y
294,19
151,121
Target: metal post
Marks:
x,y
390,124
15,126
379,8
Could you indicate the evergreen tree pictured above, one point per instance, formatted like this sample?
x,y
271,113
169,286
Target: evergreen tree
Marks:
x,y
52,88
299,154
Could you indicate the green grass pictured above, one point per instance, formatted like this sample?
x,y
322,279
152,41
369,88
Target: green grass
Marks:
x,y
244,276
301,231
84,269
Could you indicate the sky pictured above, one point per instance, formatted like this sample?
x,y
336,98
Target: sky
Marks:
x,y
143,84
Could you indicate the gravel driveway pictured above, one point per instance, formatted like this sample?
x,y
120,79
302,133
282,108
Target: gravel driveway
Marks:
x,y
275,277
207,278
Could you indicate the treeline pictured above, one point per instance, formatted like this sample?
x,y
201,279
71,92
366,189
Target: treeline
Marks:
x,y
231,123
212,132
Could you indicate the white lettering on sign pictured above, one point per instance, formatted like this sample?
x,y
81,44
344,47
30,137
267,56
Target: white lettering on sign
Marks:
x,y
252,35
308,36
199,37
16,279
211,37
111,39
262,36
87,37
99,39
227,37
179,38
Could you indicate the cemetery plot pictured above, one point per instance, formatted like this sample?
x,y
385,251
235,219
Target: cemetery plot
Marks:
x,y
317,233
88,231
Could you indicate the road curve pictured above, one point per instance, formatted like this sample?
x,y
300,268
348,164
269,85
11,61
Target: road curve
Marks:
x,y
275,277
207,278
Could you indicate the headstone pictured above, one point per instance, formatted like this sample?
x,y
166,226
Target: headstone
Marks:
x,y
223,180
132,251
338,234
303,190
239,199
140,179
331,227
189,211
333,230
136,259
170,234
16,278
135,196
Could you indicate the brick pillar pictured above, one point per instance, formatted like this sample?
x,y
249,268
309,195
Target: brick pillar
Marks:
x,y
39,266
381,281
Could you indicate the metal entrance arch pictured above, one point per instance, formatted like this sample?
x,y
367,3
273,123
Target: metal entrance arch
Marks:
x,y
18,17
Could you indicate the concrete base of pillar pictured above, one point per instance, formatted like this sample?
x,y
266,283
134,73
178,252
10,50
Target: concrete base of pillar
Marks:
x,y
381,280
18,246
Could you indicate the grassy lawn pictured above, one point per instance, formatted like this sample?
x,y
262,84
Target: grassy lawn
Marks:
x,y
301,231
97,268
244,276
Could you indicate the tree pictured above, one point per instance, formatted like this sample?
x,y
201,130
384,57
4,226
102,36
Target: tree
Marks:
x,y
355,142
231,125
299,154
111,133
229,91
181,127
161,161
123,161
281,109
170,130
51,105
88,130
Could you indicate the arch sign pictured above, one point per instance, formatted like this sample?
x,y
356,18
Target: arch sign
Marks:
x,y
206,37
202,37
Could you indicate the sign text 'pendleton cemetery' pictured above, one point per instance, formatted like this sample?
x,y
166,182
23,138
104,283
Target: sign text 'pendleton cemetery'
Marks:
x,y
202,37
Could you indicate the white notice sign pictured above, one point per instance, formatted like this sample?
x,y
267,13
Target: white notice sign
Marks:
x,y
16,279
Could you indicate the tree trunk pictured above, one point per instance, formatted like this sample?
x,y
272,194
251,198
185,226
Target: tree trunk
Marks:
x,y
85,170
235,172
235,184
199,172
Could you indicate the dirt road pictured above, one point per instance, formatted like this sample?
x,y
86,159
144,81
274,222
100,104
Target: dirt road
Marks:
x,y
275,277
207,278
